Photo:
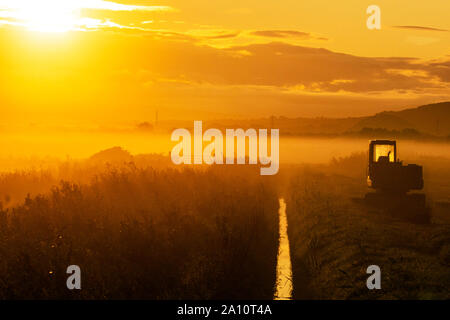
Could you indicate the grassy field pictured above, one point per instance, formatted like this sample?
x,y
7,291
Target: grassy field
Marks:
x,y
334,238
141,228
142,233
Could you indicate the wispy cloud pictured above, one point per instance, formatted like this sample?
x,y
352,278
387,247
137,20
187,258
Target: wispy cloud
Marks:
x,y
292,67
281,34
285,34
422,28
212,34
109,5
78,4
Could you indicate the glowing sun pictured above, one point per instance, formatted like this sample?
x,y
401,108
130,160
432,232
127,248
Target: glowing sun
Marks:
x,y
62,15
45,15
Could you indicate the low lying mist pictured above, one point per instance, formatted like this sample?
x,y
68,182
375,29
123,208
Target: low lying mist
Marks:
x,y
21,151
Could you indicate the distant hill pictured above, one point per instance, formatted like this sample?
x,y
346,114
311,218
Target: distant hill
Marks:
x,y
425,122
385,120
112,155
431,120
118,156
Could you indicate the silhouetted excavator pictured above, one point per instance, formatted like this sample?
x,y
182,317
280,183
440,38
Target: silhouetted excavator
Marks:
x,y
392,181
388,174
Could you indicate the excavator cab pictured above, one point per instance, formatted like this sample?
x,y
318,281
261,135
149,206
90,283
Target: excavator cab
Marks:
x,y
384,151
387,174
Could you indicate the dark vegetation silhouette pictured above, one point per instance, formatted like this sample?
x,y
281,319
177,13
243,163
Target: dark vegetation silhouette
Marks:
x,y
141,233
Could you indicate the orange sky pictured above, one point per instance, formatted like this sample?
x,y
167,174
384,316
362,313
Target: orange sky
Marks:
x,y
100,61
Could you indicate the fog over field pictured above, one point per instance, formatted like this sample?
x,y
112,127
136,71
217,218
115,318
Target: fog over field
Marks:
x,y
17,148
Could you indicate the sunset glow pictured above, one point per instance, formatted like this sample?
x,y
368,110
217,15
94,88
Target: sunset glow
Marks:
x,y
112,62
60,15
211,150
45,16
